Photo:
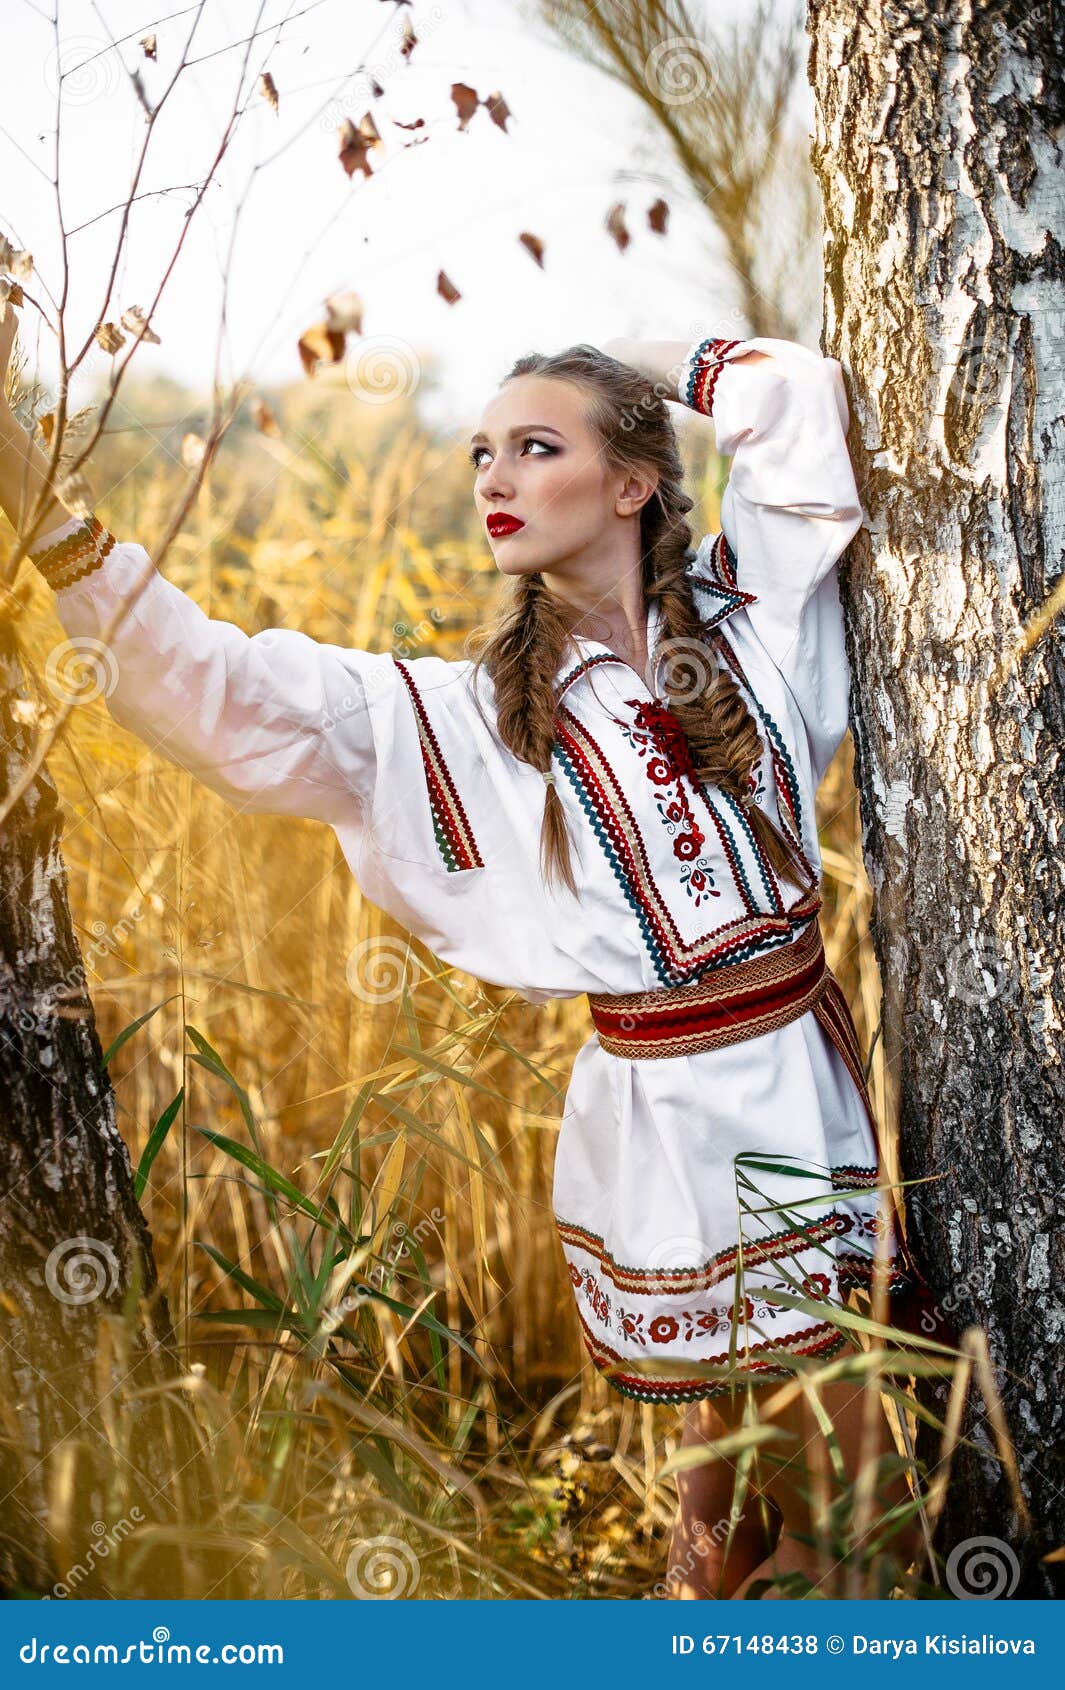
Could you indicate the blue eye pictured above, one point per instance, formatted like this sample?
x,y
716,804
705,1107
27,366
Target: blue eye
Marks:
x,y
530,440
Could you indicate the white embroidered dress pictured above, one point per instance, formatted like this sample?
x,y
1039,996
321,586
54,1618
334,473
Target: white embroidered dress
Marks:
x,y
440,825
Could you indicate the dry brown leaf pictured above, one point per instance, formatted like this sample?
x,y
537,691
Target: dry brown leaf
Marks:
x,y
465,100
498,110
264,419
268,88
408,40
109,336
11,293
534,245
46,424
446,288
615,225
134,320
320,345
356,144
658,216
18,262
419,123
343,313
148,43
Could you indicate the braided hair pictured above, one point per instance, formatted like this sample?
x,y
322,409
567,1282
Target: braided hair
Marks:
x,y
524,647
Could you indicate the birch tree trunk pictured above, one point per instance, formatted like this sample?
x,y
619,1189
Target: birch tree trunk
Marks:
x,y
81,1451
938,146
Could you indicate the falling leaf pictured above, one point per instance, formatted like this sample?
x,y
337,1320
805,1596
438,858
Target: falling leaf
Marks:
x,y
466,101
148,43
134,320
19,263
658,216
419,123
268,88
193,449
343,313
408,40
615,225
498,110
46,424
446,288
356,144
109,336
375,88
533,244
264,419
320,345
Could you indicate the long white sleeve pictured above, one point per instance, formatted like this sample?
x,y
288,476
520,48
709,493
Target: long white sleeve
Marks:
x,y
789,510
275,721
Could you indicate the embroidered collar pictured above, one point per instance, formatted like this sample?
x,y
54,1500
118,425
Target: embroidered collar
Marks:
x,y
717,597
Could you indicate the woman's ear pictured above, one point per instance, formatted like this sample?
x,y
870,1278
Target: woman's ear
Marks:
x,y
638,486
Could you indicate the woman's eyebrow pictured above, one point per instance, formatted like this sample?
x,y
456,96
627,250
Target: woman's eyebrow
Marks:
x,y
521,428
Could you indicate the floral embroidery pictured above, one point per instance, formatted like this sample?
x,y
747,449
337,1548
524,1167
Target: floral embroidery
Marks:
x,y
664,1329
817,1285
657,735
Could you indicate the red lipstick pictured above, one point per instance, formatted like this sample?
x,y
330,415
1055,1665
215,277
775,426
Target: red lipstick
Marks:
x,y
499,523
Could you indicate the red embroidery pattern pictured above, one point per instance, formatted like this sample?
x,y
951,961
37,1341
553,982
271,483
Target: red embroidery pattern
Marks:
x,y
454,835
822,1340
681,1281
706,364
657,735
610,814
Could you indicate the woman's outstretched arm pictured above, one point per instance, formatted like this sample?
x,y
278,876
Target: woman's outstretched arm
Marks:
x,y
275,722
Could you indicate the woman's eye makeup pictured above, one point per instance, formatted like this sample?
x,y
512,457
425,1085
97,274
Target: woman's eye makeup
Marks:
x,y
530,439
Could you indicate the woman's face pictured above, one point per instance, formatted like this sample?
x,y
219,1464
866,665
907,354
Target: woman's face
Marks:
x,y
537,460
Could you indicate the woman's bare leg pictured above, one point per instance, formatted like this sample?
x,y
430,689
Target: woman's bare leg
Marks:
x,y
702,1563
803,1488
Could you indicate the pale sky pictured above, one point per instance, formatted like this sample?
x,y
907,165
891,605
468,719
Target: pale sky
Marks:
x,y
458,201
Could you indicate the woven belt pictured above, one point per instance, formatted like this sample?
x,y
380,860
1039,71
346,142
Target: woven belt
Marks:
x,y
737,1001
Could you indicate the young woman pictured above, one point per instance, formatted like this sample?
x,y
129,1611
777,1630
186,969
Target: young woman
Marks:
x,y
615,797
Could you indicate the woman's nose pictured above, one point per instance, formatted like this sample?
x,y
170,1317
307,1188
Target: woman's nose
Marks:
x,y
495,483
